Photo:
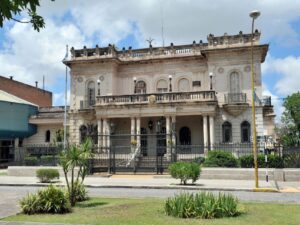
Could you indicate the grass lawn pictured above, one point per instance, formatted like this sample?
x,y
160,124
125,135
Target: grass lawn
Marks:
x,y
108,211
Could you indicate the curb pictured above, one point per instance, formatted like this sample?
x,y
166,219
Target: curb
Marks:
x,y
175,187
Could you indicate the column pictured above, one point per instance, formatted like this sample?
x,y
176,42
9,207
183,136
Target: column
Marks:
x,y
138,131
104,133
211,131
132,133
168,136
108,135
100,137
173,130
205,135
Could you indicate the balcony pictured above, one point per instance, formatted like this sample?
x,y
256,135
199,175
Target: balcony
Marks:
x,y
235,103
235,98
173,97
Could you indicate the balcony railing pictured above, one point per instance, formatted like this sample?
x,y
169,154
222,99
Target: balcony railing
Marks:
x,y
266,101
158,98
235,98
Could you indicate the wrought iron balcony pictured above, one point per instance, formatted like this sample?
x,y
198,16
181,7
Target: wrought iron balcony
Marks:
x,y
235,98
199,96
266,101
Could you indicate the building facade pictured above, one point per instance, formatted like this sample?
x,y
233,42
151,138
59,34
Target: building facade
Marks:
x,y
193,95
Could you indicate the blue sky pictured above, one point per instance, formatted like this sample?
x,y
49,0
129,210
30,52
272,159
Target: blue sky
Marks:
x,y
28,55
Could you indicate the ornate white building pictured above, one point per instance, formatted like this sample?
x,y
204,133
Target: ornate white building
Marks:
x,y
200,93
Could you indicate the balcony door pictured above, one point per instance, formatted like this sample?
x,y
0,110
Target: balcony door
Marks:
x,y
235,88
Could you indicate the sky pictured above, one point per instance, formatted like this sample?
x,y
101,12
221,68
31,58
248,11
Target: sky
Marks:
x,y
28,55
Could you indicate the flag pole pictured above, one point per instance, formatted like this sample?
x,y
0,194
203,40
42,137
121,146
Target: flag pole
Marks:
x,y
66,93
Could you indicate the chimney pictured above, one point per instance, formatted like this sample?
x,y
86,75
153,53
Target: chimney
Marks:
x,y
11,77
36,84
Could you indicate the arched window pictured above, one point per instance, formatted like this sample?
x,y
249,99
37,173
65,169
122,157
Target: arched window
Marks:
x,y
83,133
162,86
185,136
48,136
245,131
140,87
91,93
227,132
183,85
235,83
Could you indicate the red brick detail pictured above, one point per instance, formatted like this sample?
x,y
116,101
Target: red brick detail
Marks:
x,y
29,93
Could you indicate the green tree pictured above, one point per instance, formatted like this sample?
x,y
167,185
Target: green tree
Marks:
x,y
289,129
9,9
76,157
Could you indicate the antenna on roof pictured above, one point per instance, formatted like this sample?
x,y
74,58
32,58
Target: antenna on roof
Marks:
x,y
162,24
44,82
149,40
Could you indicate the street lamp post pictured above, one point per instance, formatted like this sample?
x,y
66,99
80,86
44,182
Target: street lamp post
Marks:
x,y
254,15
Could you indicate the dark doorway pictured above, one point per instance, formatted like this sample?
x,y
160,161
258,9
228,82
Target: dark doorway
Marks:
x,y
185,136
144,141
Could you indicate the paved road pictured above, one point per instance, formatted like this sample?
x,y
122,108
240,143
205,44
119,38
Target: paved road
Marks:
x,y
9,196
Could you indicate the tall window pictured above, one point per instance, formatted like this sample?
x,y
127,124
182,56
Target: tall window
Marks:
x,y
91,93
235,82
185,136
227,132
48,136
162,86
140,87
83,133
245,131
183,85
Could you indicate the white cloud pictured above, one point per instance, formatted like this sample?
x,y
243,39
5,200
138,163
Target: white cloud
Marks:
x,y
184,20
288,68
30,55
59,98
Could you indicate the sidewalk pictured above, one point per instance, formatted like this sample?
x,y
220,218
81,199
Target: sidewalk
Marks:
x,y
156,182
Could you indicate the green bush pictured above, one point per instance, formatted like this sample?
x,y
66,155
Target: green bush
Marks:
x,y
274,161
199,160
185,171
292,160
47,175
31,161
220,159
203,205
80,192
48,200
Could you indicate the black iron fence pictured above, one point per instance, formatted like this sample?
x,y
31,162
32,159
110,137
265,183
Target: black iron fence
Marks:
x,y
139,153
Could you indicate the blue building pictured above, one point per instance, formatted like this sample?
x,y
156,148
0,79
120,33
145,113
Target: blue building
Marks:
x,y
14,124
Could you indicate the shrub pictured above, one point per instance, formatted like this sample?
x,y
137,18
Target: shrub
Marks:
x,y
203,205
48,200
292,160
80,192
199,160
185,171
47,175
220,159
274,161
31,161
